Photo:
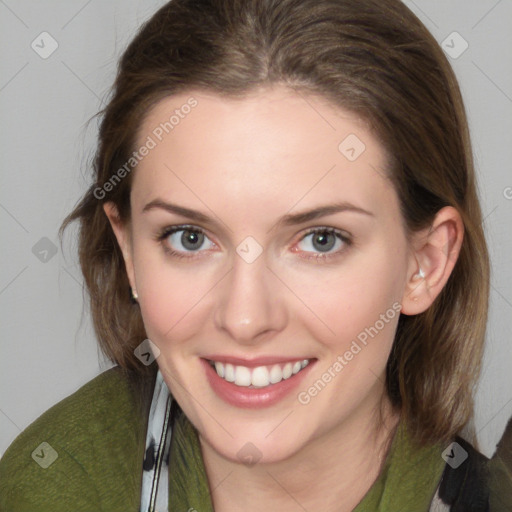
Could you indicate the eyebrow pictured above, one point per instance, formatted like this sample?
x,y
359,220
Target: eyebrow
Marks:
x,y
285,220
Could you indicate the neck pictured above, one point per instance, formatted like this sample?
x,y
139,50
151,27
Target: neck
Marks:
x,y
331,473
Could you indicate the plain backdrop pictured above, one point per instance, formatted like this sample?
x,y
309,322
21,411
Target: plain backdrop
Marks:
x,y
47,350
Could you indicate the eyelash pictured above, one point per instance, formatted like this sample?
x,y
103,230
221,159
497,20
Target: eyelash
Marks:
x,y
318,257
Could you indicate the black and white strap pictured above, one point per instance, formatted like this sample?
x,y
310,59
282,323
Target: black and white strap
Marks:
x,y
465,487
155,474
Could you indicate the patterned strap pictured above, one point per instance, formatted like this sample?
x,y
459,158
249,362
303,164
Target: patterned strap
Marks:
x,y
438,505
155,475
464,488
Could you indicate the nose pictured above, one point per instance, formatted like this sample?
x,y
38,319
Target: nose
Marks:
x,y
250,306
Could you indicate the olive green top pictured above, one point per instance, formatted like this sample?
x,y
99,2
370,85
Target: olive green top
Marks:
x,y
86,454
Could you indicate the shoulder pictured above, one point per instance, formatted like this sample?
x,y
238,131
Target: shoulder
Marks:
x,y
81,454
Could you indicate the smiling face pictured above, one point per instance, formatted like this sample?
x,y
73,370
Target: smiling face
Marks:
x,y
261,238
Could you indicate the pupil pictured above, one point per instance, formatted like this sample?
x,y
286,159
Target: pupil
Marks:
x,y
324,241
190,239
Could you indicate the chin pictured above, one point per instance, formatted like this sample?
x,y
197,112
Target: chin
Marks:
x,y
257,448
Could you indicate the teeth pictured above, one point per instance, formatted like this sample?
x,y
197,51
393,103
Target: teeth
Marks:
x,y
229,372
276,374
219,367
287,371
259,377
242,376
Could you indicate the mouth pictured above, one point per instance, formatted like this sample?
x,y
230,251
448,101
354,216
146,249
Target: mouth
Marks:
x,y
254,384
259,376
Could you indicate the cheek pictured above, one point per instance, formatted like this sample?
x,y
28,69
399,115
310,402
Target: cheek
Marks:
x,y
357,318
358,301
171,297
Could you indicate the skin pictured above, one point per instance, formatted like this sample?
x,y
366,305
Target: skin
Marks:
x,y
245,163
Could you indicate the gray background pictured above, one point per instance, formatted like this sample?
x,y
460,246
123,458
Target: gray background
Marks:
x,y
47,351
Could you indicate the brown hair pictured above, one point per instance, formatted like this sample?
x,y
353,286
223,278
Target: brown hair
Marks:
x,y
372,57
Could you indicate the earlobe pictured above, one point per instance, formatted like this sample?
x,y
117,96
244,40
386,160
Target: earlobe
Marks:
x,y
433,258
121,232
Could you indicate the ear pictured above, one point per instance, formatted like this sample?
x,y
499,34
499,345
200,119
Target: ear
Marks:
x,y
122,233
435,251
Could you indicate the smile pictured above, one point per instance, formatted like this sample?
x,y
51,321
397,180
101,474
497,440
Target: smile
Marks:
x,y
259,376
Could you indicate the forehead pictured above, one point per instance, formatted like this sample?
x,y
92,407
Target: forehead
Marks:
x,y
273,147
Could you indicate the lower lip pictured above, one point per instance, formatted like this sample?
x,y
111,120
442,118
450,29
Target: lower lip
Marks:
x,y
253,398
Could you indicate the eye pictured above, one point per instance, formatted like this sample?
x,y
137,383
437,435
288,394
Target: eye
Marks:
x,y
324,243
180,240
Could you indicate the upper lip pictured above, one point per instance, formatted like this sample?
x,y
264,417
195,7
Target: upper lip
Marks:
x,y
254,362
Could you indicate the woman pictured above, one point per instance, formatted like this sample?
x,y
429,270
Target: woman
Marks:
x,y
285,259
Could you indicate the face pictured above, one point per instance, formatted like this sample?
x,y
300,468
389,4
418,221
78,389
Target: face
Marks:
x,y
266,240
